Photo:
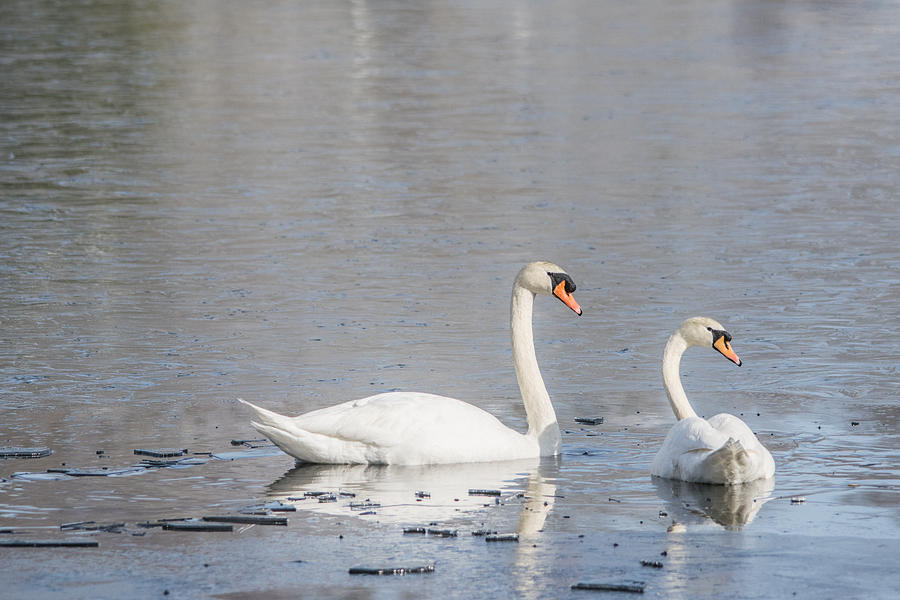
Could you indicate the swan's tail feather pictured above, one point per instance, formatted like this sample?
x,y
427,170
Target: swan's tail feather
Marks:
x,y
266,417
287,441
728,464
306,446
309,447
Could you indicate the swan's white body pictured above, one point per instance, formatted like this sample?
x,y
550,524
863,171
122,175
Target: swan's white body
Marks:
x,y
412,428
722,449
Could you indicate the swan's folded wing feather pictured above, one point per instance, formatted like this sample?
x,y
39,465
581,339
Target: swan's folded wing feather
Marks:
x,y
721,450
759,462
685,447
732,427
395,428
410,419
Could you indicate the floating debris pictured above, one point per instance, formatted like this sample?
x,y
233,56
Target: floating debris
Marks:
x,y
327,498
854,423
364,505
100,472
635,587
652,563
20,452
484,492
314,494
503,537
80,543
161,452
443,532
482,532
93,526
196,525
798,499
420,530
676,527
247,519
248,442
392,570
347,494
589,420
421,495
164,522
253,452
40,476
181,462
262,509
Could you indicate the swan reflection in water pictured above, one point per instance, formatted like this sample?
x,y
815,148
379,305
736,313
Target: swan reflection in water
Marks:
x,y
731,506
393,488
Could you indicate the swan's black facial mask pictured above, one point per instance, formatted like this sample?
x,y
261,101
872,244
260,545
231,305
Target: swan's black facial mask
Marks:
x,y
722,343
563,286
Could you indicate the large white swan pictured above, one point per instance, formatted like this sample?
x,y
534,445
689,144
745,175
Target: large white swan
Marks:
x,y
412,428
720,450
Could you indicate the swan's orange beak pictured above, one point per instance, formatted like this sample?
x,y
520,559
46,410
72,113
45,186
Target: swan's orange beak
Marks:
x,y
724,347
568,299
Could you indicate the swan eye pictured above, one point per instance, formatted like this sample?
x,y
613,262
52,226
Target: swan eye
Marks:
x,y
709,328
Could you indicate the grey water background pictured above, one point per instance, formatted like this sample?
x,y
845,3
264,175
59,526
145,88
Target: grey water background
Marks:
x,y
305,203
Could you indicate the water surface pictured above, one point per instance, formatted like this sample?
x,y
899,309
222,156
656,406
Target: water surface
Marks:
x,y
304,204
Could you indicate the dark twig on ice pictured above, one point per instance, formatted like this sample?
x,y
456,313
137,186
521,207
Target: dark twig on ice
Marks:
x,y
392,570
179,462
635,587
419,530
503,537
483,532
248,519
443,532
196,526
484,492
652,563
589,420
100,472
19,452
80,543
92,526
161,452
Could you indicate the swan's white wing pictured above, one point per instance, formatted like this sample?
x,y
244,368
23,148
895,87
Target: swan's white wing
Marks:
x,y
732,427
686,446
758,463
721,450
397,428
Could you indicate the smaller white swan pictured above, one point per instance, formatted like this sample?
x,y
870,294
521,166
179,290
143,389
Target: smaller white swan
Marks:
x,y
412,428
720,450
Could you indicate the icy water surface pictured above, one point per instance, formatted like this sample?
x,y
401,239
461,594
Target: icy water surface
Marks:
x,y
305,203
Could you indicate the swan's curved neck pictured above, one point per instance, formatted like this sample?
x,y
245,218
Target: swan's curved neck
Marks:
x,y
675,347
538,408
